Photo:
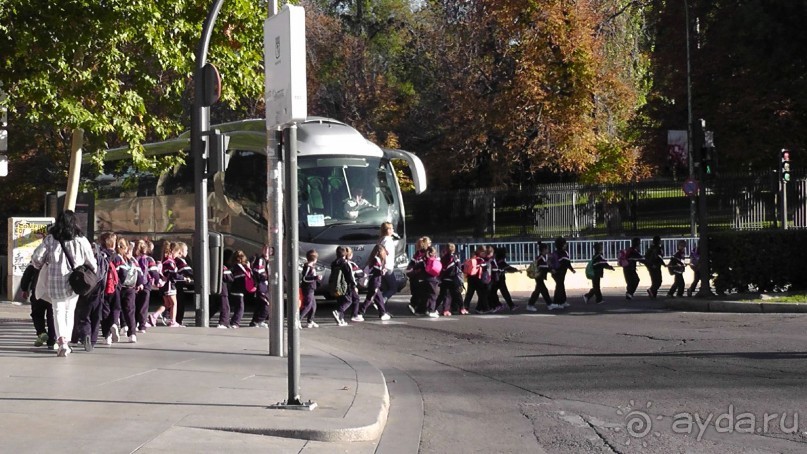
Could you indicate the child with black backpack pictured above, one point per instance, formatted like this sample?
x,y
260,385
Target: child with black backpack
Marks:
x,y
632,258
538,271
594,271
342,283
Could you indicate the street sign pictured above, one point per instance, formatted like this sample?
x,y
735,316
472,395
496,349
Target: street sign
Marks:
x,y
284,60
690,187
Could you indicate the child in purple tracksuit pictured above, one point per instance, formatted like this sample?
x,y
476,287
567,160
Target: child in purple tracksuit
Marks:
x,y
677,268
541,266
308,285
243,286
600,264
131,281
342,265
224,298
376,264
450,297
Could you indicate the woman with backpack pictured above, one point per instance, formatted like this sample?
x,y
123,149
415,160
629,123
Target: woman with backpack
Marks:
x,y
539,269
64,249
562,263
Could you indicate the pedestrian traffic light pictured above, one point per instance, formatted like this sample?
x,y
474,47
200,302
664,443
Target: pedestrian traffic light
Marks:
x,y
708,160
784,168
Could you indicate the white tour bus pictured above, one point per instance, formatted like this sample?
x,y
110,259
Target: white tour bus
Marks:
x,y
347,187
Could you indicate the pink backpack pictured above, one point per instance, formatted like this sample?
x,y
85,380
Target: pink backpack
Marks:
x,y
433,266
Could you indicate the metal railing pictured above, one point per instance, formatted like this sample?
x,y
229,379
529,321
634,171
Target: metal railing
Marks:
x,y
580,251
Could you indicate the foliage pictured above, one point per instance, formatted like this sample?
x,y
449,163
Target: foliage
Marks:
x,y
748,80
760,260
121,70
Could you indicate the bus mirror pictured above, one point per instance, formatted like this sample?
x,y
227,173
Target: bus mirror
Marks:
x,y
415,166
216,150
216,246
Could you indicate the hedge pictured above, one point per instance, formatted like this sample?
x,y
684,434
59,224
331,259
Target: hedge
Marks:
x,y
764,260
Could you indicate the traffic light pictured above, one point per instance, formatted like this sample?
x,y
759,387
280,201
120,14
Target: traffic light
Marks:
x,y
784,168
709,161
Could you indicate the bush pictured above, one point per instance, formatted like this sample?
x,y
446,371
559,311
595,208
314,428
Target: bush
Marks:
x,y
763,260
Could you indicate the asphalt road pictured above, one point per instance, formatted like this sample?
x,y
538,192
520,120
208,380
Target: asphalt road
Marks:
x,y
612,378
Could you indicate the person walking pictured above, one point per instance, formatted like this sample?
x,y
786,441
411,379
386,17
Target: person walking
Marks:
x,y
243,287
56,257
41,310
677,268
598,266
131,279
450,298
499,281
564,264
342,282
540,269
694,261
260,273
632,257
376,265
654,261
416,272
309,280
184,281
389,285
473,268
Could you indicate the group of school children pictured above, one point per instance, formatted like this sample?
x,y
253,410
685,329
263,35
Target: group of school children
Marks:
x,y
245,280
118,305
558,263
436,282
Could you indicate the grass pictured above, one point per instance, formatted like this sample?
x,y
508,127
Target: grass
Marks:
x,y
794,298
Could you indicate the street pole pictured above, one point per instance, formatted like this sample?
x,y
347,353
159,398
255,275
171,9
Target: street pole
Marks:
x,y
703,244
290,254
200,126
689,121
274,198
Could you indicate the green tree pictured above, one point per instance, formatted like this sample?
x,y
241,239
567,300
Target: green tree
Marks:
x,y
120,70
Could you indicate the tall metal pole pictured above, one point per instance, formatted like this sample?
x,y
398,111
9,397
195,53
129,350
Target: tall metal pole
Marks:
x,y
692,207
290,256
200,125
274,197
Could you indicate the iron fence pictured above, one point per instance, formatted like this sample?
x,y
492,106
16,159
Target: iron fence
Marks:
x,y
591,211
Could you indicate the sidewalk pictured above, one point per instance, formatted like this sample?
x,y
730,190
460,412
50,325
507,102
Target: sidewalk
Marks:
x,y
182,390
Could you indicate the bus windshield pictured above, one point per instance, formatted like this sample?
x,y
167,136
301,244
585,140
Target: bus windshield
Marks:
x,y
356,193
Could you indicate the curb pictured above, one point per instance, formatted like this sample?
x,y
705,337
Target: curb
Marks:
x,y
364,421
736,307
